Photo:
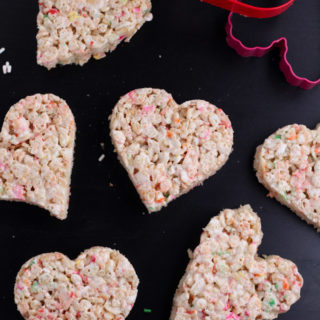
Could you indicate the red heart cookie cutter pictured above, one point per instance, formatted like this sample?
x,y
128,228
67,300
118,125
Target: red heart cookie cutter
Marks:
x,y
236,6
248,10
284,64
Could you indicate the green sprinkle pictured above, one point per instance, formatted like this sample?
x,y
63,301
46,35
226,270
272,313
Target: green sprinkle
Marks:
x,y
166,195
45,16
278,136
272,303
284,297
32,263
221,253
284,195
277,286
147,310
151,208
110,24
35,287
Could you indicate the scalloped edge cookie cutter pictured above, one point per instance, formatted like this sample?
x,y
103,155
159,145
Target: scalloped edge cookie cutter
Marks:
x,y
284,64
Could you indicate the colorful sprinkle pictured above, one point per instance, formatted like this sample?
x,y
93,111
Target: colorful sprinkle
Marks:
x,y
272,303
147,310
73,16
53,11
35,287
147,109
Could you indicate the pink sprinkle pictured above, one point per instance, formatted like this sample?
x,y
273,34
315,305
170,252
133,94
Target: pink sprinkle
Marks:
x,y
233,316
18,192
247,313
226,123
147,109
93,259
137,10
206,134
121,38
20,287
131,95
227,306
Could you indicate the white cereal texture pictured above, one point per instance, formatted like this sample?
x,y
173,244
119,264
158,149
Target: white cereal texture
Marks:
x,y
36,153
226,280
288,165
167,148
72,31
100,284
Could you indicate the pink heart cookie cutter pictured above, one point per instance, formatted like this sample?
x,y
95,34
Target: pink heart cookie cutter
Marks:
x,y
281,43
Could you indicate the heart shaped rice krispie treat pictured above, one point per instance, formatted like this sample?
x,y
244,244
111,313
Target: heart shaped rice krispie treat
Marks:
x,y
36,153
166,148
288,165
71,31
100,284
225,278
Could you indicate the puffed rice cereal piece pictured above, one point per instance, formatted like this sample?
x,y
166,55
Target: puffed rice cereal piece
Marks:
x,y
36,153
166,148
288,165
100,284
226,280
72,31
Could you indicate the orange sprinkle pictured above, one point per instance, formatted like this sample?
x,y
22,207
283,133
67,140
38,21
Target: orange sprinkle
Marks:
x,y
159,200
316,150
190,311
225,123
178,120
285,284
293,137
169,134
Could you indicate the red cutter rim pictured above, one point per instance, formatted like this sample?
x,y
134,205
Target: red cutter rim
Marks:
x,y
248,10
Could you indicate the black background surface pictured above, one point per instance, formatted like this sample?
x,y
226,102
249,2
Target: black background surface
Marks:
x,y
183,51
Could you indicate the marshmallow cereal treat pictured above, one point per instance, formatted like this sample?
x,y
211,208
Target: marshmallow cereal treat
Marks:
x,y
72,31
36,153
226,280
100,284
167,148
288,165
